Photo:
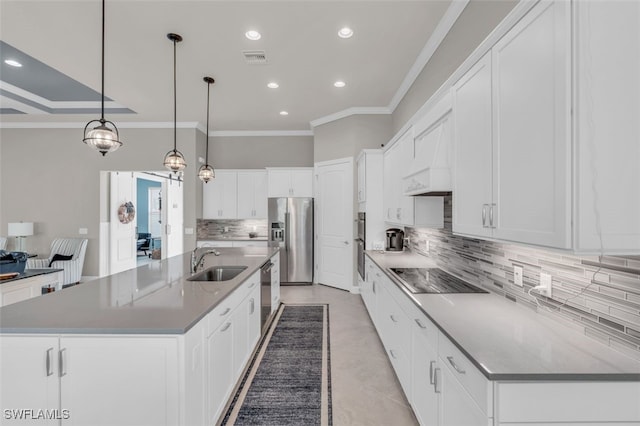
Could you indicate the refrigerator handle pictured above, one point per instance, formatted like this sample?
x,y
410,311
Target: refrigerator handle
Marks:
x,y
287,243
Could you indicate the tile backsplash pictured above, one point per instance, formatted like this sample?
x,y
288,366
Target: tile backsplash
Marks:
x,y
230,228
597,297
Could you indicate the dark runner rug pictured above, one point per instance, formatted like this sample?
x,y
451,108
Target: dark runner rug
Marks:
x,y
288,382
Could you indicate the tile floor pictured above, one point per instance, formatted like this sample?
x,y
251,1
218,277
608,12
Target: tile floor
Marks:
x,y
364,387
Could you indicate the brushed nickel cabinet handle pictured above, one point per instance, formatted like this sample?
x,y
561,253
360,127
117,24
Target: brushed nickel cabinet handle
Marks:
x,y
484,215
432,379
420,324
62,362
226,311
49,363
455,366
436,381
226,327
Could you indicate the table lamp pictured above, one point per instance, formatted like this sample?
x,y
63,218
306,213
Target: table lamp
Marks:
x,y
20,230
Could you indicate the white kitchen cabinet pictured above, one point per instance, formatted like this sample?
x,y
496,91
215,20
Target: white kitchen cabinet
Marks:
x,y
252,194
61,373
290,182
456,407
220,369
512,135
424,361
370,196
275,283
607,134
219,196
362,173
398,208
26,288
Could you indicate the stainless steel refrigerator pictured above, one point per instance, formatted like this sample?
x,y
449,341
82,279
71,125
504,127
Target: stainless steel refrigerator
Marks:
x,y
291,229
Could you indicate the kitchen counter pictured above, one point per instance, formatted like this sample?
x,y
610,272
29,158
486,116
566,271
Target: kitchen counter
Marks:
x,y
258,238
152,299
506,341
28,273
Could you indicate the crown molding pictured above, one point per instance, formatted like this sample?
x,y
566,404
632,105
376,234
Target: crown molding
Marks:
x,y
348,112
442,29
78,125
239,133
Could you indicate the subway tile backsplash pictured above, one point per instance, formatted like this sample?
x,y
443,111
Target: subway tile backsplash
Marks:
x,y
230,228
597,297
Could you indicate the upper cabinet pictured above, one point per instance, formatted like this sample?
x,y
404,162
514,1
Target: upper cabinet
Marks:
x,y
290,182
235,194
512,135
219,196
607,129
252,194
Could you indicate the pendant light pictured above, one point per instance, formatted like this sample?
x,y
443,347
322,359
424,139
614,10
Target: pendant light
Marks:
x,y
206,172
104,137
174,160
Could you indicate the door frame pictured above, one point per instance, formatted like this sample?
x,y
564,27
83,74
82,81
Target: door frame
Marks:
x,y
351,211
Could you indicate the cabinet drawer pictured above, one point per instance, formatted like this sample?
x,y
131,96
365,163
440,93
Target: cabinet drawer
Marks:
x,y
466,373
223,311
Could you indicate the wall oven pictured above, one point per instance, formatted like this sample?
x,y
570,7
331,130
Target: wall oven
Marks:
x,y
361,242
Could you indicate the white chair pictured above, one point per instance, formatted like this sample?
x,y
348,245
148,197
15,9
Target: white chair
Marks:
x,y
76,247
3,243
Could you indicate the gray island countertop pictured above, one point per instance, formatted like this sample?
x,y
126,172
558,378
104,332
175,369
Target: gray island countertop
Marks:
x,y
155,298
507,341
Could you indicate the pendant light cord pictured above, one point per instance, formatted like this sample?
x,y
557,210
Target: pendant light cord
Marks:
x,y
175,101
102,101
207,134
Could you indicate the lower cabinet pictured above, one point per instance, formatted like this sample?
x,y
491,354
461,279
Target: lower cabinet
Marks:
x,y
444,388
275,282
26,288
132,379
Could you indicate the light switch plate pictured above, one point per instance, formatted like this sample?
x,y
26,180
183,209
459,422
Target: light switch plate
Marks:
x,y
188,231
517,275
83,231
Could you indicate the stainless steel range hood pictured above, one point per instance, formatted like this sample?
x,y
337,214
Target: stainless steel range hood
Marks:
x,y
430,172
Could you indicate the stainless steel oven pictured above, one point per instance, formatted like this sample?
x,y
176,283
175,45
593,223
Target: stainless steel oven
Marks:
x,y
361,242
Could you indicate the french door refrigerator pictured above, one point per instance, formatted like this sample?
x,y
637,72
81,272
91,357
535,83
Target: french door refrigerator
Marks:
x,y
291,228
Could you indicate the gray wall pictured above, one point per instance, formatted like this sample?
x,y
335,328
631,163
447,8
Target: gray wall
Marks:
x,y
475,23
348,136
51,178
256,152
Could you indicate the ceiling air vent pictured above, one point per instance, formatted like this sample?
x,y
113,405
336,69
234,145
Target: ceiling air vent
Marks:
x,y
254,57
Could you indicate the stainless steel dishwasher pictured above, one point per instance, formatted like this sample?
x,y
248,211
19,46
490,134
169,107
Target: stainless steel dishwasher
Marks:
x,y
265,293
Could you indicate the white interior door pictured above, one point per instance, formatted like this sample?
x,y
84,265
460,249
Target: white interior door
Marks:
x,y
122,235
334,224
172,218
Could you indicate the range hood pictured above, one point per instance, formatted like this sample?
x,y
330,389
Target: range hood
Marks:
x,y
430,172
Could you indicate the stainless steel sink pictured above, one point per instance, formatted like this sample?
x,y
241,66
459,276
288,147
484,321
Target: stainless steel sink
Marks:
x,y
218,273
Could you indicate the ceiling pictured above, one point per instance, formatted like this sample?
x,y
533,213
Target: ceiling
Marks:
x,y
60,46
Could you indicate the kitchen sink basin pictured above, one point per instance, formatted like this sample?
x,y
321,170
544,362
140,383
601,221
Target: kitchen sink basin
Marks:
x,y
218,273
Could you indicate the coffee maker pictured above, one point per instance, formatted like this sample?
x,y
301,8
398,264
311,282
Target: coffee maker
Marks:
x,y
395,239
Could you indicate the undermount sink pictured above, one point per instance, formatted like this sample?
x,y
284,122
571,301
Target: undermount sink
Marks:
x,y
218,273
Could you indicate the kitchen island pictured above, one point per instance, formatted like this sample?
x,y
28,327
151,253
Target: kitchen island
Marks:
x,y
30,283
478,359
143,347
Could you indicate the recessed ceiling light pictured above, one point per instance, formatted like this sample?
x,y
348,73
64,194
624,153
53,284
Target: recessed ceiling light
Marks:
x,y
284,113
13,63
252,35
273,85
345,32
339,83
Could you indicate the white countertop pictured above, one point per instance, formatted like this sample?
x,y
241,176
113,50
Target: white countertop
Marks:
x,y
506,341
154,298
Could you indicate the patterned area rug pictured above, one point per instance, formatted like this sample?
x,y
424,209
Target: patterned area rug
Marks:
x,y
289,380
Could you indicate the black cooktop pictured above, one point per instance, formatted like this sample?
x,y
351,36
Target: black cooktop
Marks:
x,y
433,280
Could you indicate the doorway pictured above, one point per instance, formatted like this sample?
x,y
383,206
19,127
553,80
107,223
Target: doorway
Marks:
x,y
141,219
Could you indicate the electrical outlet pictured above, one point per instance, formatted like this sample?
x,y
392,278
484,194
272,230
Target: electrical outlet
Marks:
x,y
83,231
427,246
517,275
545,281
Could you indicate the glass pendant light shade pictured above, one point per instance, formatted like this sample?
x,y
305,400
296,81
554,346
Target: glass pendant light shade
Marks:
x,y
103,138
174,161
206,173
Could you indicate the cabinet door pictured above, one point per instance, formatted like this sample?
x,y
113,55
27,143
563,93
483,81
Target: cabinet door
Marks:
x,y
29,371
246,195
424,362
95,369
302,183
405,203
220,369
219,196
456,405
253,309
240,319
391,177
532,128
472,147
279,183
275,283
260,195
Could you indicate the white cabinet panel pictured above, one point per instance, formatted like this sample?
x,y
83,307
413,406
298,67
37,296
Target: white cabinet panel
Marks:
x,y
252,195
219,196
275,282
512,135
26,288
220,375
290,182
456,405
